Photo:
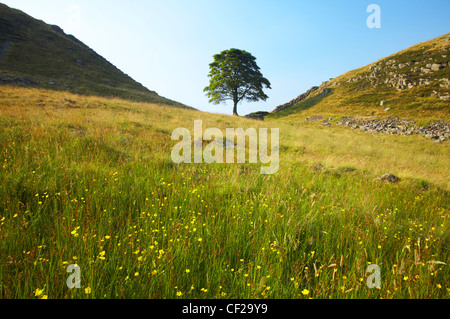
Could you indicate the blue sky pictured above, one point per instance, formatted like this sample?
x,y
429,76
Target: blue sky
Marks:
x,y
167,45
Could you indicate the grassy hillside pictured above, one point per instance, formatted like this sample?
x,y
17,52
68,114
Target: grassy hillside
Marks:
x,y
33,53
411,87
91,182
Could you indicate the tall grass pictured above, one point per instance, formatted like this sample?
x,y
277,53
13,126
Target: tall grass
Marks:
x,y
94,185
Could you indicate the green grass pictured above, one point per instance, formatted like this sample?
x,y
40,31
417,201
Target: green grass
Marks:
x,y
94,185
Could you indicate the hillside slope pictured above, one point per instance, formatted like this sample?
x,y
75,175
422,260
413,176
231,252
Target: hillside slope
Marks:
x,y
92,182
412,84
33,53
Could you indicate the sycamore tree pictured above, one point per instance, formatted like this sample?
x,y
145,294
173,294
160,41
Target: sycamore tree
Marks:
x,y
235,76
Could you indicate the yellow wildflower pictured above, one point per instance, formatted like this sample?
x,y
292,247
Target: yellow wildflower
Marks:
x,y
38,292
101,255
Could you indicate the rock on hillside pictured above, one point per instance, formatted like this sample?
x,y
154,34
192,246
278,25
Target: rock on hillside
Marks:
x,y
439,131
297,100
423,69
403,76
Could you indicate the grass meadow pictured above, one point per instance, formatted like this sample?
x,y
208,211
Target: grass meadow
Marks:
x,y
90,181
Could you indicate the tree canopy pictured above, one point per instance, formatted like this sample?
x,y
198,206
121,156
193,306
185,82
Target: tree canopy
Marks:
x,y
235,76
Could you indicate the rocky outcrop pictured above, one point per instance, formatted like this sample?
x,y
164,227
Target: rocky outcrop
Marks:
x,y
57,29
424,67
439,131
257,115
298,99
21,80
403,76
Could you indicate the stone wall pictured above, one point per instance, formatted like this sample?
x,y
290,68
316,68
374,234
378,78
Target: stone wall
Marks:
x,y
439,131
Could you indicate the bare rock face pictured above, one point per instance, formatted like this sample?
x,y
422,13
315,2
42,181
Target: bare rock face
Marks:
x,y
298,99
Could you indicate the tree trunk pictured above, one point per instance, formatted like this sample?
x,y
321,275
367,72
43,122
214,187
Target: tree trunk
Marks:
x,y
235,101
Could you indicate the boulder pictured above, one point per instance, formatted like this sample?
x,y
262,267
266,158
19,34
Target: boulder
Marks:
x,y
314,118
317,166
389,178
424,82
257,115
436,67
445,83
